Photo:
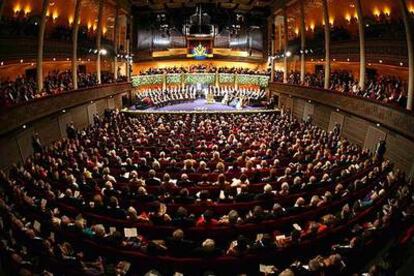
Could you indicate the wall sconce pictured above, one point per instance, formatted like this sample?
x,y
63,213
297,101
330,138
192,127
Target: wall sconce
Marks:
x,y
27,10
387,11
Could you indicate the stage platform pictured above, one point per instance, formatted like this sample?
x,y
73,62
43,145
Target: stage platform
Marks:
x,y
199,105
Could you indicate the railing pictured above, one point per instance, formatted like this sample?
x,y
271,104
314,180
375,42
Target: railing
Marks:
x,y
204,78
396,119
16,116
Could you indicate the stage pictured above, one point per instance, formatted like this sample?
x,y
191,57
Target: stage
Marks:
x,y
199,105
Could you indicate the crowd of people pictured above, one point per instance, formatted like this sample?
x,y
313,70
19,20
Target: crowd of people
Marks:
x,y
24,88
175,94
385,89
203,68
191,193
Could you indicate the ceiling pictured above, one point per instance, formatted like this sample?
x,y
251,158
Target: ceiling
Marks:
x,y
242,6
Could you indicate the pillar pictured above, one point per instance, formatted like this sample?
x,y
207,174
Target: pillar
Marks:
x,y
236,81
41,38
272,69
164,81
98,40
116,41
129,41
362,55
280,33
327,43
216,79
409,36
183,80
285,39
302,41
75,44
272,49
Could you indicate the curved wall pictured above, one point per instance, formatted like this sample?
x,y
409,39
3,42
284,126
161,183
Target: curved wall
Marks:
x,y
49,116
363,121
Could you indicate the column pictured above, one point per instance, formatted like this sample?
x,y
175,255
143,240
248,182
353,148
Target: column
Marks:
x,y
116,41
361,29
129,41
285,39
216,79
302,41
408,33
41,38
164,81
280,33
327,43
272,48
75,44
98,40
236,81
183,80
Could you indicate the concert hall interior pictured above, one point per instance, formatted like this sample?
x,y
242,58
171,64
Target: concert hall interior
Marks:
x,y
206,137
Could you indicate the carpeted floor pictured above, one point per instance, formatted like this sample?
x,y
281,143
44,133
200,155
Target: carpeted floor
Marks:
x,y
198,105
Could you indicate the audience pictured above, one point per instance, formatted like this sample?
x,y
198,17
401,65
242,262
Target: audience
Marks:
x,y
385,89
76,199
24,89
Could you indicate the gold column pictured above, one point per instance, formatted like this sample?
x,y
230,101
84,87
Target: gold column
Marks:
x,y
327,43
285,38
41,38
116,40
98,40
302,41
409,35
362,55
75,44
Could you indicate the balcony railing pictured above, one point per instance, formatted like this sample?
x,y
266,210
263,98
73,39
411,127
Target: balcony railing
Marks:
x,y
16,116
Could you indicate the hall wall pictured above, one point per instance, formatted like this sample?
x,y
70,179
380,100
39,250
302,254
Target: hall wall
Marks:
x,y
400,150
16,146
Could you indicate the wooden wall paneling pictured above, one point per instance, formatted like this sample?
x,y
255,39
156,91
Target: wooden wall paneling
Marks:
x,y
374,135
48,129
24,142
111,103
391,118
63,121
10,152
285,103
17,116
101,105
355,130
298,108
118,101
80,116
400,150
308,111
334,119
321,116
91,112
